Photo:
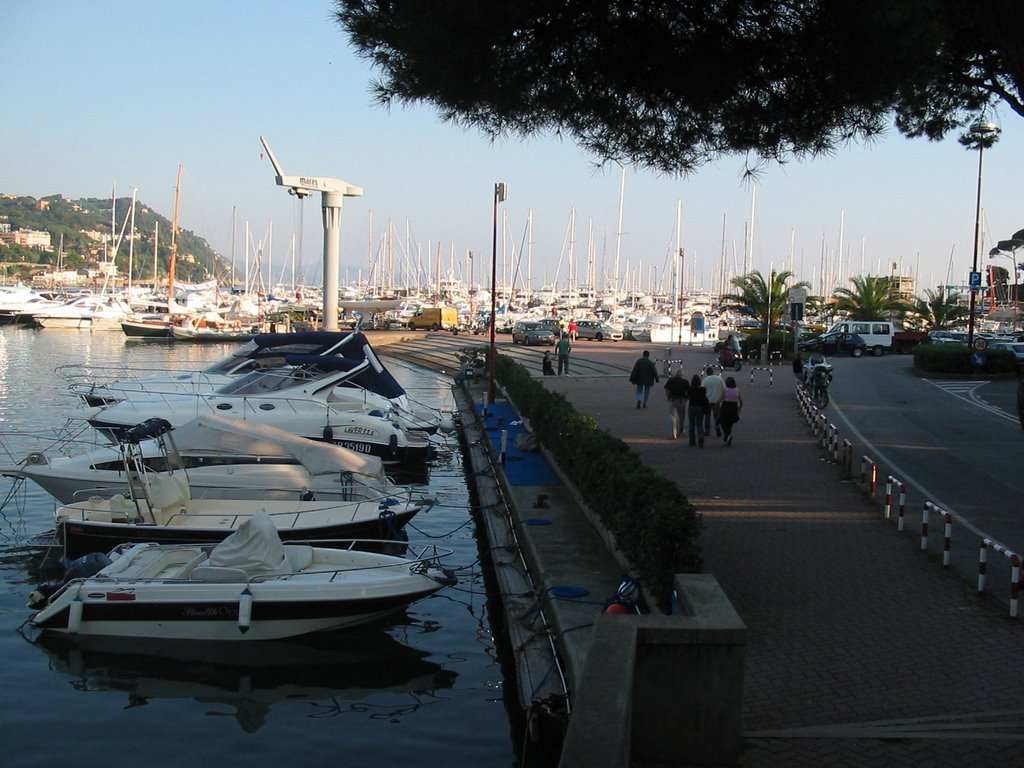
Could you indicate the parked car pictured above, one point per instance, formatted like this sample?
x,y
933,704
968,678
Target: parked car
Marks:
x,y
597,331
947,337
836,343
1016,347
528,333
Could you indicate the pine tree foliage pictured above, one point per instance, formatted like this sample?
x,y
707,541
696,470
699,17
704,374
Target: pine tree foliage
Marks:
x,y
673,84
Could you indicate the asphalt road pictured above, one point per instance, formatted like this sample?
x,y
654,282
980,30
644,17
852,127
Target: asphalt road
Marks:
x,y
954,442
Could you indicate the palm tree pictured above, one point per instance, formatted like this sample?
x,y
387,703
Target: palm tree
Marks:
x,y
939,310
763,300
870,298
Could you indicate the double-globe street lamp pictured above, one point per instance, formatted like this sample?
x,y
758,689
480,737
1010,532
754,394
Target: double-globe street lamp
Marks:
x,y
982,135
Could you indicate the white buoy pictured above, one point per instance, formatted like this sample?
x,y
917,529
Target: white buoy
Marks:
x,y
75,615
244,611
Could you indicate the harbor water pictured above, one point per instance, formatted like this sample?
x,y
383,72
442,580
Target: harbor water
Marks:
x,y
424,687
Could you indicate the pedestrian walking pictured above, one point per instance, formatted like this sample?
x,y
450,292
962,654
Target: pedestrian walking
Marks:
x,y
574,329
562,349
676,390
696,410
643,376
714,385
732,404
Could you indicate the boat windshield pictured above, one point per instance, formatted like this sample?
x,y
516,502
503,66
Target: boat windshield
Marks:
x,y
267,380
252,356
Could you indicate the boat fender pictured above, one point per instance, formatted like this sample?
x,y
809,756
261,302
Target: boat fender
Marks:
x,y
328,433
244,611
393,443
75,615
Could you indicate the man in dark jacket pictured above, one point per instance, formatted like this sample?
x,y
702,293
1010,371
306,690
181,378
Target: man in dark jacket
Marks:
x,y
643,376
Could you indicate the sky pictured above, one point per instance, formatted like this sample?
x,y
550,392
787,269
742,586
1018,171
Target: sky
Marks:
x,y
113,95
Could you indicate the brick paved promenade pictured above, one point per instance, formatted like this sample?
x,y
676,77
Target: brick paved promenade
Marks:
x,y
862,651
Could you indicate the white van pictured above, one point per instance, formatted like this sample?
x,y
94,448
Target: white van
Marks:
x,y
877,334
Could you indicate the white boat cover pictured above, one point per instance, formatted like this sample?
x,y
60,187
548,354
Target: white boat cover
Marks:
x,y
254,547
213,435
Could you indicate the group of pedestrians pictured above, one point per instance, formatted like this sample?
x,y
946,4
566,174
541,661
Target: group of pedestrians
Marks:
x,y
706,402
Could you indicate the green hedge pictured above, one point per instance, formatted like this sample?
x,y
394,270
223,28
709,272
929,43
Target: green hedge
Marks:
x,y
654,525
956,358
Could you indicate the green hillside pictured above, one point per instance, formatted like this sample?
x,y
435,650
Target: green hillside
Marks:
x,y
73,218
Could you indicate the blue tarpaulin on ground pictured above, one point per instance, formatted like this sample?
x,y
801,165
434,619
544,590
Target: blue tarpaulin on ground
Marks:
x,y
521,467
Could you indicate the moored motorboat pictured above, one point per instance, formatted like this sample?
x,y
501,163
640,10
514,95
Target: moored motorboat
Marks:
x,y
147,326
222,459
94,313
251,586
308,399
359,376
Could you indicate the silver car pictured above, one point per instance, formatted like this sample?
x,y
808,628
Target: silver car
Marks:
x,y
597,331
526,332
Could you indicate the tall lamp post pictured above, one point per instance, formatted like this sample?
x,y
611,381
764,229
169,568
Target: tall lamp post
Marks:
x,y
982,135
499,197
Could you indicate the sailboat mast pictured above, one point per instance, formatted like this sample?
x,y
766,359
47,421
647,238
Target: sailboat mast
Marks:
x,y
131,241
173,263
618,232
156,249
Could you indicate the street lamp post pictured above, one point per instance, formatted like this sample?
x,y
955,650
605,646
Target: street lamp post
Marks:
x,y
499,197
983,134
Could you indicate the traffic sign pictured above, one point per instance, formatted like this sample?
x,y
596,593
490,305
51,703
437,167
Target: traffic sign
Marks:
x,y
978,359
981,343
975,280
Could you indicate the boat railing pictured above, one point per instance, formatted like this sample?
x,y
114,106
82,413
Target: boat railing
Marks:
x,y
418,557
81,375
297,510
72,438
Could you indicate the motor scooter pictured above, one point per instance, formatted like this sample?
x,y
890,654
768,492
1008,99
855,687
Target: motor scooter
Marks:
x,y
727,358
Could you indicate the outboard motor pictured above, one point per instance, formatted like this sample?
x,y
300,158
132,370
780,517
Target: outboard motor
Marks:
x,y
82,568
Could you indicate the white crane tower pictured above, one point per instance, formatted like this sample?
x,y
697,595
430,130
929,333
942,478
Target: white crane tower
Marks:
x,y
332,194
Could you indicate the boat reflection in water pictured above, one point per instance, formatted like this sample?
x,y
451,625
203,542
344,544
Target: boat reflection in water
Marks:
x,y
322,671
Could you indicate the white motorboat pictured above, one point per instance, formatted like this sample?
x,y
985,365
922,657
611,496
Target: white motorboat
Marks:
x,y
316,352
222,458
95,313
159,507
251,586
21,309
300,399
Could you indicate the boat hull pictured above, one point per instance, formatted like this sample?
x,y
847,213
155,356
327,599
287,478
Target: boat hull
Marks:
x,y
125,613
82,537
151,591
146,330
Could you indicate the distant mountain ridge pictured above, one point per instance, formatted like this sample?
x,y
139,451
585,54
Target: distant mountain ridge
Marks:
x,y
60,215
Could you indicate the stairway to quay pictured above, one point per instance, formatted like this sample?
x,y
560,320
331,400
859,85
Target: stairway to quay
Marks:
x,y
815,635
